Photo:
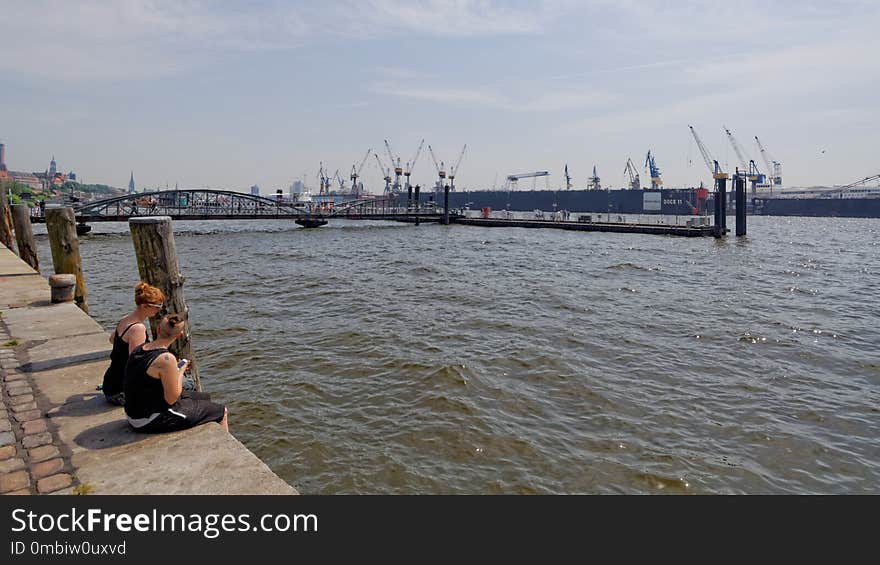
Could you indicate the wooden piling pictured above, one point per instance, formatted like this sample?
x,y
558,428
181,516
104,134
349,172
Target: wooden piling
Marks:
x,y
446,205
5,217
157,263
61,227
418,187
24,235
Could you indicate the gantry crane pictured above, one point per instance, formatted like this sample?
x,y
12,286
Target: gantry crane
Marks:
x,y
410,165
454,170
395,164
386,174
635,182
654,171
511,183
441,169
774,168
356,172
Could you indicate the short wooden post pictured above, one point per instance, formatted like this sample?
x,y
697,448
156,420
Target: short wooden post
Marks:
x,y
156,256
61,227
5,217
740,206
24,235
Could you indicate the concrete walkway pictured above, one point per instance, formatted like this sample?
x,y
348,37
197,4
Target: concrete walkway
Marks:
x,y
59,436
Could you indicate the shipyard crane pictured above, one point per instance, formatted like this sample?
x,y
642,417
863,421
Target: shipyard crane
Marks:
x,y
441,169
340,180
410,165
595,183
386,174
323,179
711,163
749,168
653,170
454,170
774,168
355,173
395,164
512,179
635,182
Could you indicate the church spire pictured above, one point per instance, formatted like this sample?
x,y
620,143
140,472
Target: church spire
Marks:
x,y
131,183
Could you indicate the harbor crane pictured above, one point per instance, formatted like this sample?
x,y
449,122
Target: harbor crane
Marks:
x,y
339,180
711,163
774,168
356,173
395,164
630,170
441,169
654,171
454,170
595,183
324,180
513,179
386,174
410,165
749,168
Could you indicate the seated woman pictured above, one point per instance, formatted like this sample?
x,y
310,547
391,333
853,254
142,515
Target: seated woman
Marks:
x,y
128,334
155,401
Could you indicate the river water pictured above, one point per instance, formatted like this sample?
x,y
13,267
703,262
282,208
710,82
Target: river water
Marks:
x,y
388,358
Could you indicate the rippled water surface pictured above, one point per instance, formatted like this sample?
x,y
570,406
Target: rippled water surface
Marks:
x,y
384,358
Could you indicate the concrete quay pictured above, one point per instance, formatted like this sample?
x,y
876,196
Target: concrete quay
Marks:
x,y
59,436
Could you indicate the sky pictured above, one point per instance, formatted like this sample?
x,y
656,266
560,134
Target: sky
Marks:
x,y
230,94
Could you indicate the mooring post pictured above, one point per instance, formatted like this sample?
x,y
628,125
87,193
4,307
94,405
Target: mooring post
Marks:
x,y
418,187
156,256
740,206
24,235
61,227
446,205
409,194
6,219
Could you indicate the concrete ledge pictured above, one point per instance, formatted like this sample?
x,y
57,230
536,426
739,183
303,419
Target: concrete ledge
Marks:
x,y
64,354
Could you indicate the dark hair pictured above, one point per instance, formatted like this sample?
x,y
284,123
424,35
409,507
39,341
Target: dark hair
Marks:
x,y
170,324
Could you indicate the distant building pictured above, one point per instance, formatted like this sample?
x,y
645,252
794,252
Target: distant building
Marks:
x,y
296,188
71,176
52,167
30,179
4,173
255,190
131,183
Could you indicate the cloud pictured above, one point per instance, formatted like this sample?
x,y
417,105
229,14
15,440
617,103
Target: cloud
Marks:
x,y
122,39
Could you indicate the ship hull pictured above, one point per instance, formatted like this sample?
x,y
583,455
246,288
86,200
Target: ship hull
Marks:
x,y
664,201
833,207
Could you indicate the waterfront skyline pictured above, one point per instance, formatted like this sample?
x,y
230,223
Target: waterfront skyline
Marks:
x,y
201,94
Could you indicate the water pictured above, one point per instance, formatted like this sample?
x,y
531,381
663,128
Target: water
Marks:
x,y
384,358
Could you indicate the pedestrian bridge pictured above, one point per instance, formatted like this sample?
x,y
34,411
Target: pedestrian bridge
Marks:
x,y
207,204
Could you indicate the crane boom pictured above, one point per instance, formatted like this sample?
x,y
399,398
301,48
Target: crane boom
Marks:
x,y
711,164
364,160
410,165
764,155
454,170
743,161
440,169
635,182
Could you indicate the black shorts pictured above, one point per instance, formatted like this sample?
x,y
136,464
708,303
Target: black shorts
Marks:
x,y
191,409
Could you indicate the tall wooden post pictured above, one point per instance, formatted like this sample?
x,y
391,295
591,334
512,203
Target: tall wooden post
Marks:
x,y
446,205
5,217
61,226
156,255
24,235
418,188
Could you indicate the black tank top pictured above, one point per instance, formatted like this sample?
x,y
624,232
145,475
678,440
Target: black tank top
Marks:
x,y
144,395
118,358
